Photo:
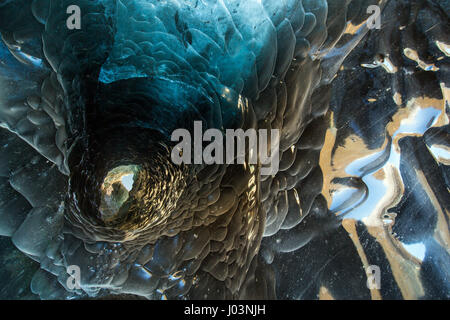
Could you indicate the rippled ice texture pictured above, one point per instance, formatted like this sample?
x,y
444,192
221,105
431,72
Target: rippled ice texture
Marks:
x,y
363,177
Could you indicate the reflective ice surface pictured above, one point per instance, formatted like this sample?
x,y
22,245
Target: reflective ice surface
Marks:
x,y
86,177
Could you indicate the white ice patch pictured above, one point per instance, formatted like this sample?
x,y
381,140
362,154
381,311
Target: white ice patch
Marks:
x,y
416,249
127,181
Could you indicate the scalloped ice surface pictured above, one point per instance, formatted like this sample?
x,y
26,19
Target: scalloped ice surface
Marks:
x,y
247,47
238,44
280,54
